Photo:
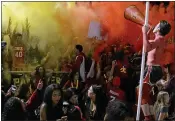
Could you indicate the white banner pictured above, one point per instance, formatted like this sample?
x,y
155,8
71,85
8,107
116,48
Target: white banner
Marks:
x,y
94,30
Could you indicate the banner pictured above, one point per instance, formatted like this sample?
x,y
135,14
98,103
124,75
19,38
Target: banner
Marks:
x,y
18,58
94,30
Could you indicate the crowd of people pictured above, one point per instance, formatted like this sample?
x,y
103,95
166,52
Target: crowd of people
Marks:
x,y
99,90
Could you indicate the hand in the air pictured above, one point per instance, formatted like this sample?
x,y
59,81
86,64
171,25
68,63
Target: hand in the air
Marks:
x,y
40,85
9,92
114,63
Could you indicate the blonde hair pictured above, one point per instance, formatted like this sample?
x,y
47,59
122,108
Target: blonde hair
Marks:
x,y
160,102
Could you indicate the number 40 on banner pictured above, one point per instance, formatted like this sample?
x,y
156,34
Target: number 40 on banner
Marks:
x,y
19,54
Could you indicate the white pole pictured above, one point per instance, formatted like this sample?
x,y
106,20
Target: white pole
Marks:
x,y
142,67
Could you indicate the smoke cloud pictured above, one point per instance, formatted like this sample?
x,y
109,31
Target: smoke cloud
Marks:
x,y
63,24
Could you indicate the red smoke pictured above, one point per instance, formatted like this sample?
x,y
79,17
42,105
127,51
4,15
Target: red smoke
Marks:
x,y
111,15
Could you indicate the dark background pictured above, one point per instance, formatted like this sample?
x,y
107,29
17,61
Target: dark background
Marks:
x,y
166,3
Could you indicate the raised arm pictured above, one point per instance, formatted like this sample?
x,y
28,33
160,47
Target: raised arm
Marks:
x,y
114,63
148,44
43,113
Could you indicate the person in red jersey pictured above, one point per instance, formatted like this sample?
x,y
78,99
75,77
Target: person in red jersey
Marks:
x,y
114,92
79,65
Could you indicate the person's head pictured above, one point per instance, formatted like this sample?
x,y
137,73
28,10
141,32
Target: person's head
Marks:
x,y
110,54
95,92
91,94
40,71
52,94
14,109
120,55
71,96
160,85
116,111
23,91
98,97
162,28
107,71
78,49
114,48
163,98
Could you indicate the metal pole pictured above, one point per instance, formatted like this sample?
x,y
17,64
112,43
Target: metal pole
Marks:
x,y
142,66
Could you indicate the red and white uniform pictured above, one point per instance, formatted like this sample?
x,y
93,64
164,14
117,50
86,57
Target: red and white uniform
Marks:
x,y
79,65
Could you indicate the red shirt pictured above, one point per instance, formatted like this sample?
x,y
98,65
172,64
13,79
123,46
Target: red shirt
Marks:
x,y
78,61
121,70
115,93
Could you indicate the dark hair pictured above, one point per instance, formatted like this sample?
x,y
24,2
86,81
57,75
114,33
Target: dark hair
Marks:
x,y
101,98
69,93
116,110
37,70
50,110
119,55
37,74
48,93
79,47
13,110
168,66
165,27
22,91
97,89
